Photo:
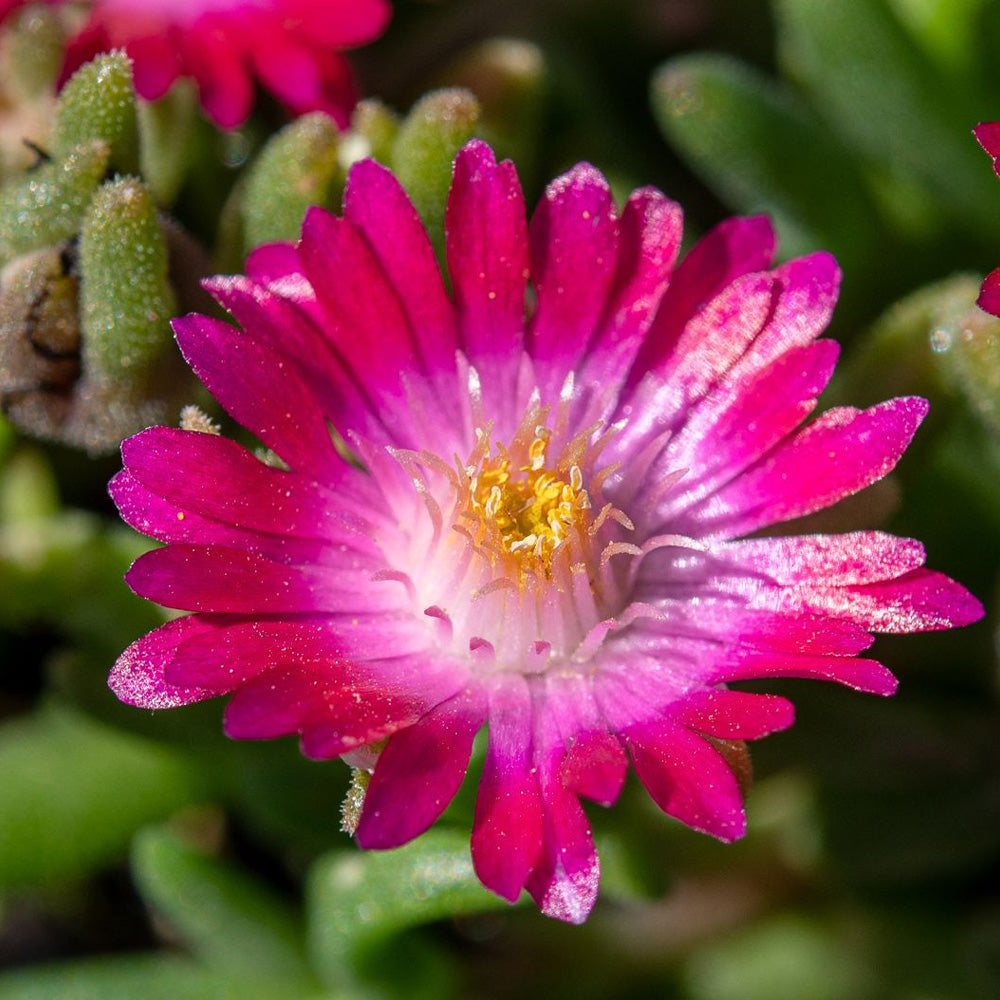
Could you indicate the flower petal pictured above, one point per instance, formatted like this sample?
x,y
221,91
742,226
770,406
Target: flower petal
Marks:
x,y
137,678
508,826
486,243
574,249
733,715
989,294
219,479
213,578
733,248
595,767
375,202
688,779
651,228
836,455
743,663
829,560
419,772
363,312
262,391
919,601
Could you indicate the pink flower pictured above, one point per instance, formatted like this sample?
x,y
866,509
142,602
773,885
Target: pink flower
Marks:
x,y
988,134
544,526
292,46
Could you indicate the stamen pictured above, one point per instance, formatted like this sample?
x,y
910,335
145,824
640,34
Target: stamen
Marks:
x,y
399,577
527,516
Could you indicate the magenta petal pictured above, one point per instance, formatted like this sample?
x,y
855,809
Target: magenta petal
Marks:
x,y
840,453
733,248
651,228
989,294
339,23
271,262
212,578
224,84
419,772
508,826
217,478
595,767
564,883
167,522
920,601
797,631
806,291
688,779
988,136
863,675
260,390
274,703
286,318
154,65
334,710
363,311
734,715
230,650
834,560
486,242
738,424
713,340
137,677
375,202
288,69
574,249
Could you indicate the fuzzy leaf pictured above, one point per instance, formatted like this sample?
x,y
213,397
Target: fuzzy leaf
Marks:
x,y
884,96
230,922
166,129
299,167
126,977
46,206
125,297
438,125
764,151
98,103
358,905
74,793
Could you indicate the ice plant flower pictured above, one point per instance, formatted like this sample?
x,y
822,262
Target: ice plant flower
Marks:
x,y
988,135
538,509
293,47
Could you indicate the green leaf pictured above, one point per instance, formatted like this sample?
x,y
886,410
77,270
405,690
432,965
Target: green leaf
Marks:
x,y
167,133
359,904
45,206
373,129
785,958
904,352
947,30
125,296
885,98
74,792
509,78
98,103
129,977
33,43
297,168
765,151
231,923
438,125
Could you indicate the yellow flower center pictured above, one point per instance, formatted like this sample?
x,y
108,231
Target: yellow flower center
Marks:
x,y
525,511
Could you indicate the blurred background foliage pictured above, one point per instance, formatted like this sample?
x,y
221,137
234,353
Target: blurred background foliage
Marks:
x,y
143,855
